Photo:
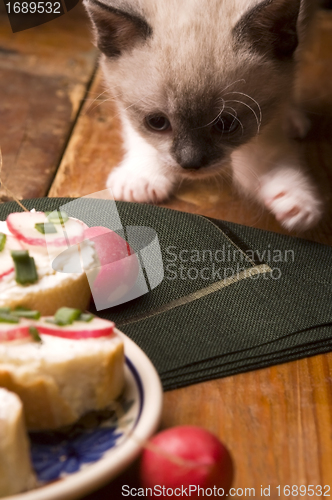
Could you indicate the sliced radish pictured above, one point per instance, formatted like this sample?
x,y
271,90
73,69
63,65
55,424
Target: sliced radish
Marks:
x,y
12,243
119,267
14,331
95,328
22,225
6,263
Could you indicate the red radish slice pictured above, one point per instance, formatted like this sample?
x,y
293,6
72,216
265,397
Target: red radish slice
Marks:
x,y
119,266
12,243
22,225
95,328
6,263
14,331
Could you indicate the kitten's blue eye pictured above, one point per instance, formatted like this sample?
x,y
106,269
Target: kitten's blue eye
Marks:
x,y
158,123
226,125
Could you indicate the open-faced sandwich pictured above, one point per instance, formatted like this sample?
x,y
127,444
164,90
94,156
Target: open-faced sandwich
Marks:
x,y
49,260
29,243
62,366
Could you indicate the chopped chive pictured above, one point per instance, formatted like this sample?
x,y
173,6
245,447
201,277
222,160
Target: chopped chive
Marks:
x,y
66,316
3,238
57,217
8,318
34,334
86,317
4,310
19,254
45,227
26,314
25,267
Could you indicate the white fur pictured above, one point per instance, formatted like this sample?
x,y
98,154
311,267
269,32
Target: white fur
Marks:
x,y
269,168
141,176
190,53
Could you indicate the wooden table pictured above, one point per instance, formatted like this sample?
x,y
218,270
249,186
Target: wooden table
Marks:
x,y
60,137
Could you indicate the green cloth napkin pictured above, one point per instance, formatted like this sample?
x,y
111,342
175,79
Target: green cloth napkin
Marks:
x,y
233,298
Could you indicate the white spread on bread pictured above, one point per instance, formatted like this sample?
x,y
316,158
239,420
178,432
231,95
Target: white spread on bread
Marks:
x,y
55,287
47,275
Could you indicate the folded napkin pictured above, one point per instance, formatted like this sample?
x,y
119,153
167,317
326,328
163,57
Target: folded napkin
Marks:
x,y
232,299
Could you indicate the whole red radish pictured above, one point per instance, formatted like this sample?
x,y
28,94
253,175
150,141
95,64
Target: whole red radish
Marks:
x,y
119,266
187,457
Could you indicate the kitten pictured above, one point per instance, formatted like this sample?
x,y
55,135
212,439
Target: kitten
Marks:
x,y
200,84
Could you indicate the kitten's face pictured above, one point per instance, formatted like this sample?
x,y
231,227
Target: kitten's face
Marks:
x,y
198,78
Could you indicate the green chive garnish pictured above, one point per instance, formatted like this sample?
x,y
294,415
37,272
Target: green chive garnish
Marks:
x,y
3,238
57,217
26,314
8,318
66,316
86,317
45,227
4,310
25,267
34,334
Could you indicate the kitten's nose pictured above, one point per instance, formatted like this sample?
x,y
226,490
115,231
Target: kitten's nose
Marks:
x,y
192,164
191,155
192,161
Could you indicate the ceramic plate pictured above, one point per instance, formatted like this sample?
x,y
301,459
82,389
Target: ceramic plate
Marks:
x,y
100,446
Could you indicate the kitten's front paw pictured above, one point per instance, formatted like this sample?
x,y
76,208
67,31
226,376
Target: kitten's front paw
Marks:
x,y
142,188
292,199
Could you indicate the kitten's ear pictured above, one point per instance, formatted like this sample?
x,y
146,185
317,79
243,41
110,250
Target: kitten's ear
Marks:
x,y
271,27
115,30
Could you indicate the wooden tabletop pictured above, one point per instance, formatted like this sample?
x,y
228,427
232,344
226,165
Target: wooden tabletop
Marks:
x,y
60,136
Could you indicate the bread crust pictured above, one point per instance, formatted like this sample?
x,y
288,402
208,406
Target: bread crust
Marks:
x,y
47,405
16,474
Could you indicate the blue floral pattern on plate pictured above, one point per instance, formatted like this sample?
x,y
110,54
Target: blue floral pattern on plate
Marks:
x,y
55,454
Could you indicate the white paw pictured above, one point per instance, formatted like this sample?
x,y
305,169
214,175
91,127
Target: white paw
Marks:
x,y
292,199
140,187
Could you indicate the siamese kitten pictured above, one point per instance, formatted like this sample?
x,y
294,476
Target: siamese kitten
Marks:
x,y
204,83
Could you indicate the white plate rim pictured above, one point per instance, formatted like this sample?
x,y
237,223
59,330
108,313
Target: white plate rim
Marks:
x,y
96,475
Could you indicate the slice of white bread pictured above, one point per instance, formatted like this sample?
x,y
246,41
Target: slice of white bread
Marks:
x,y
65,286
16,473
59,380
52,292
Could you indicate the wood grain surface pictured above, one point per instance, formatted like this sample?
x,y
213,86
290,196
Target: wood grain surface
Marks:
x,y
44,74
277,421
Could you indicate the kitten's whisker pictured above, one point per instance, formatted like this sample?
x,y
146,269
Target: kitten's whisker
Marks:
x,y
235,118
212,121
133,104
251,109
222,102
254,100
95,99
236,81
99,104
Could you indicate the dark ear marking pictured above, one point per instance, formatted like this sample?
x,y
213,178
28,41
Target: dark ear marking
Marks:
x,y
271,28
116,30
